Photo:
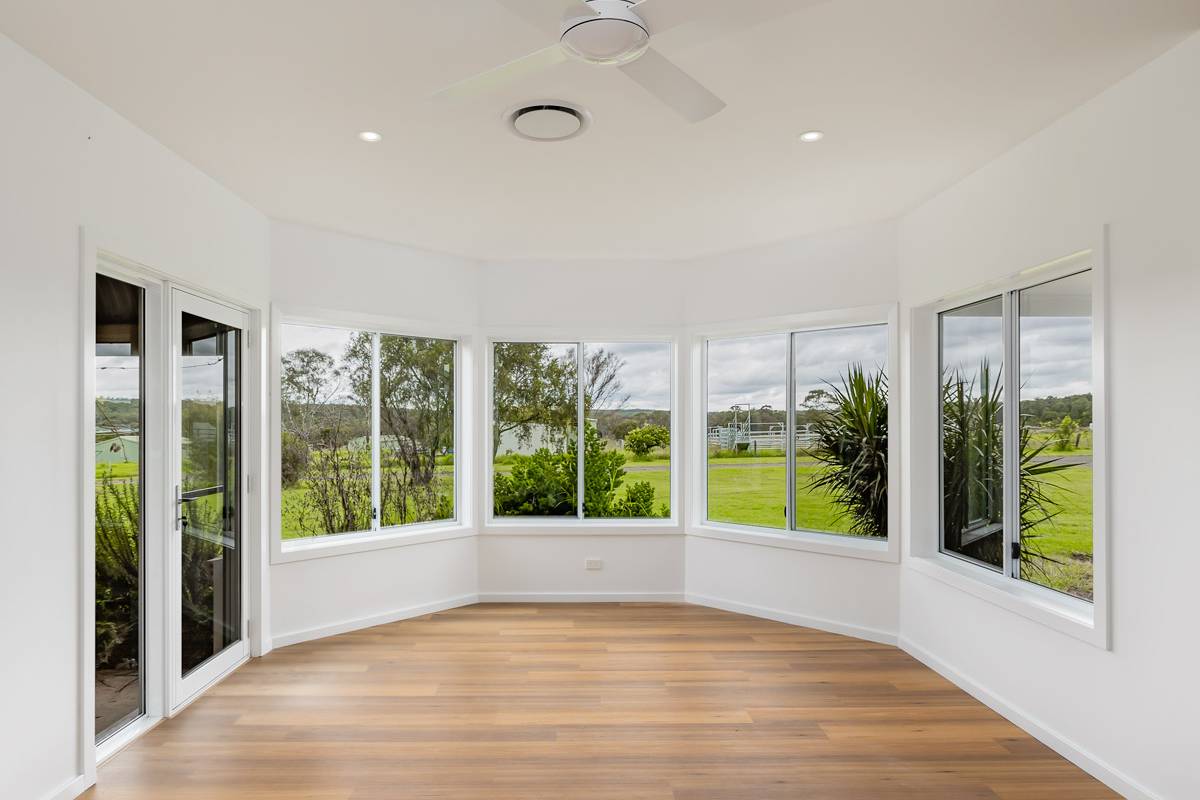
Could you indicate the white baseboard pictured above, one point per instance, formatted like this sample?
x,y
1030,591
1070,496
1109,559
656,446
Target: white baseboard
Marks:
x,y
283,640
1105,773
72,788
581,597
791,618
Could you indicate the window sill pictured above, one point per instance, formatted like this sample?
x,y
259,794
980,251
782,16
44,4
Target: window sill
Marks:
x,y
825,543
346,543
1063,613
572,526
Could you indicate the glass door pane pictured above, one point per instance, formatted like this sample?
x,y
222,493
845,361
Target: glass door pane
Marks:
x,y
209,501
119,510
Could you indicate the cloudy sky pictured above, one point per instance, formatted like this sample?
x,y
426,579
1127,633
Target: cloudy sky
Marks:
x,y
753,369
646,376
1056,346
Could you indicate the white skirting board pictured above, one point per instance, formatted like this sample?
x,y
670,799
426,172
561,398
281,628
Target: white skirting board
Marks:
x,y
283,640
72,788
1113,778
830,626
581,597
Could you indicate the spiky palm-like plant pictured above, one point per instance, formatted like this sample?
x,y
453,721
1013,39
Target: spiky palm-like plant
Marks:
x,y
852,445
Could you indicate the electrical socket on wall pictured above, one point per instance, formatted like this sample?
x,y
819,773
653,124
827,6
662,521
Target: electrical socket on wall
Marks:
x,y
593,563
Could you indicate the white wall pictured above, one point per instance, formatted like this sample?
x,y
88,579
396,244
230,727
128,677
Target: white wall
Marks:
x,y
1128,158
67,161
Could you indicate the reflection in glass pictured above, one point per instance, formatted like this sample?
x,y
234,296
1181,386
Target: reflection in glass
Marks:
x,y
627,406
972,406
416,423
841,430
747,419
119,523
534,424
325,436
1056,434
209,500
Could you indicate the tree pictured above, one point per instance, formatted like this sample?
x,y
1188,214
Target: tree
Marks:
x,y
531,386
640,441
621,429
416,420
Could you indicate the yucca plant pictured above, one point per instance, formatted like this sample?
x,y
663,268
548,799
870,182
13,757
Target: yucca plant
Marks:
x,y
973,465
852,445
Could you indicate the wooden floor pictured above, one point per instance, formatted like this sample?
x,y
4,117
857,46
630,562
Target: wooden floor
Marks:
x,y
555,702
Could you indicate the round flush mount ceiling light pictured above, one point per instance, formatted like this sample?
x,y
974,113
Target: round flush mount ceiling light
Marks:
x,y
812,136
550,121
611,35
370,136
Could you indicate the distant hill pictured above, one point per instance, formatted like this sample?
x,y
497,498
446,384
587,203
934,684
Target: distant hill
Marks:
x,y
1047,411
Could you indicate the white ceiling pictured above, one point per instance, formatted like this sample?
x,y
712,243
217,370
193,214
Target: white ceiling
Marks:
x,y
267,96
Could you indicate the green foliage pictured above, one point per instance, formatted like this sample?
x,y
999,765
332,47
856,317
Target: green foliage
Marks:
x,y
620,430
973,468
1046,411
545,484
640,441
118,519
293,458
1065,434
852,444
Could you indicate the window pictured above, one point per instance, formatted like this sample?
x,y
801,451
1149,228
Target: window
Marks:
x,y
1017,477
120,490
617,393
806,410
367,431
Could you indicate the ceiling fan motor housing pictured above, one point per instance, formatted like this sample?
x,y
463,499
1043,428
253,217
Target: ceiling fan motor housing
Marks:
x,y
613,35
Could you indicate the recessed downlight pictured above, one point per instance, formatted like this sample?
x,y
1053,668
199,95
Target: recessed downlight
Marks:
x,y
370,136
812,136
549,121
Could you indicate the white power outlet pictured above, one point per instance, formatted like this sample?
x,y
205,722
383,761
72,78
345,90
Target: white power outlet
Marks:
x,y
593,563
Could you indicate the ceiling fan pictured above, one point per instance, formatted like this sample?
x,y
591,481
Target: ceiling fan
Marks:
x,y
618,32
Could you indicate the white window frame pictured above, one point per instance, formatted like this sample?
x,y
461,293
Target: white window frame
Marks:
x,y
578,524
812,541
1089,622
335,544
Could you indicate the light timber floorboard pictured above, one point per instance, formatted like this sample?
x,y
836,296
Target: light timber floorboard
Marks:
x,y
588,701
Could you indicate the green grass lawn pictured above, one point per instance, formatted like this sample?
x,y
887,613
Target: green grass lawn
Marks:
x,y
1067,538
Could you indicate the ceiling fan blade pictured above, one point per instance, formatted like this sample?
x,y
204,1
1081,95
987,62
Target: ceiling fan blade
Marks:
x,y
536,61
710,18
547,15
657,75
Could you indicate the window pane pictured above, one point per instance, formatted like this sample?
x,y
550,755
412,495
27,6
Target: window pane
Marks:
x,y
972,359
416,423
1056,435
747,398
210,503
118,503
627,462
534,422
841,430
325,444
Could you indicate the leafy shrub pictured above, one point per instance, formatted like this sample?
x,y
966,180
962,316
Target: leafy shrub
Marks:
x,y
1065,434
545,484
852,443
640,441
293,458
